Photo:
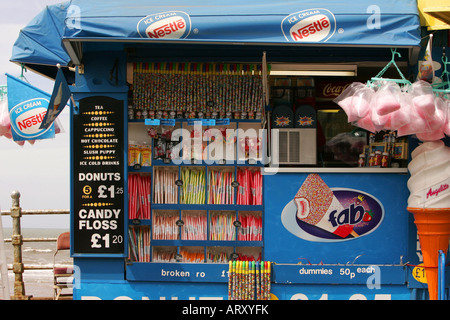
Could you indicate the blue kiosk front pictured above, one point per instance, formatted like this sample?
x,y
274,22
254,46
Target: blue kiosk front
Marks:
x,y
179,114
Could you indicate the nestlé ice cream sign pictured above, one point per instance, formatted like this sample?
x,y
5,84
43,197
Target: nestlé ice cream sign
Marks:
x,y
311,25
165,25
26,118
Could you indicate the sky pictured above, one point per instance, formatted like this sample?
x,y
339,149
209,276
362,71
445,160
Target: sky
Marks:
x,y
40,172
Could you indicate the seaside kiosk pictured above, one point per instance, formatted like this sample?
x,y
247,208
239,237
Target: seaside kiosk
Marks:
x,y
202,134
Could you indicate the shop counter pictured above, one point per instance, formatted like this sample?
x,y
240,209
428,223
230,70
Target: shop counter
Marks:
x,y
372,203
274,170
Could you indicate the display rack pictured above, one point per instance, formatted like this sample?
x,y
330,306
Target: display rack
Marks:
x,y
195,212
195,201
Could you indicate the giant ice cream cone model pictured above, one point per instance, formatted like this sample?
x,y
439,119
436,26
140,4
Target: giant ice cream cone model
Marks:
x,y
429,202
433,228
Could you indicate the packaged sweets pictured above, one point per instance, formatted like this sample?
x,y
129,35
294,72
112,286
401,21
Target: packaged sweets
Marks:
x,y
146,155
133,155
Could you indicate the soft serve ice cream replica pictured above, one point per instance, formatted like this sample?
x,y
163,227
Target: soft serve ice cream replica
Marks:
x,y
429,202
430,176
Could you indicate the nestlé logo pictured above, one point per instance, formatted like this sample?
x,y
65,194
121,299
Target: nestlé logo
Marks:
x,y
312,25
165,25
26,117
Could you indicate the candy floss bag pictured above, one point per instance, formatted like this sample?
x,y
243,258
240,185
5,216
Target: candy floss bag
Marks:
x,y
447,112
366,123
387,98
5,122
354,100
365,111
423,98
384,102
400,117
417,123
436,122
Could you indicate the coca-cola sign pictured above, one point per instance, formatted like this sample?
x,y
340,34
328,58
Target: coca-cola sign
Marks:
x,y
311,25
329,90
165,25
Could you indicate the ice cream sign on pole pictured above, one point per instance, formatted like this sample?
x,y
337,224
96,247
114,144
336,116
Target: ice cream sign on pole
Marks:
x,y
322,214
27,109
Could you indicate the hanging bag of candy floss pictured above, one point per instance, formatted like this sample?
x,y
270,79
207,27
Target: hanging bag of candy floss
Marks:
x,y
366,112
423,98
366,123
5,122
378,120
361,101
400,117
436,123
350,97
446,127
387,98
417,124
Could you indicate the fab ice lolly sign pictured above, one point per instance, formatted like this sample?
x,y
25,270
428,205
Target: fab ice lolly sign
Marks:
x,y
322,214
98,176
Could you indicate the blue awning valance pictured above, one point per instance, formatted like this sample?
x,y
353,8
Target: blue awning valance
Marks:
x,y
55,35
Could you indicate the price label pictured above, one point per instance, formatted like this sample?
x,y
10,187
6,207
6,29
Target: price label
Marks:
x,y
419,274
105,192
96,238
99,241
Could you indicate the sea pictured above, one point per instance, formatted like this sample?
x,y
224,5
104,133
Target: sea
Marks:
x,y
38,283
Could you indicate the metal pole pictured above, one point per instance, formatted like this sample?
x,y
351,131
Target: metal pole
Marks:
x,y
16,239
4,281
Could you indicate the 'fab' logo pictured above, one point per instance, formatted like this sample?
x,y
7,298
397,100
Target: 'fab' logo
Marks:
x,y
312,25
165,25
322,214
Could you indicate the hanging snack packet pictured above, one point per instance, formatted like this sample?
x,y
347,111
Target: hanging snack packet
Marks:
x,y
446,105
417,124
5,122
387,98
361,102
400,117
379,121
146,153
436,123
423,98
345,100
366,123
133,154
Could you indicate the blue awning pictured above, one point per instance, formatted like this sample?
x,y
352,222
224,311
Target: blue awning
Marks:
x,y
39,44
55,36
